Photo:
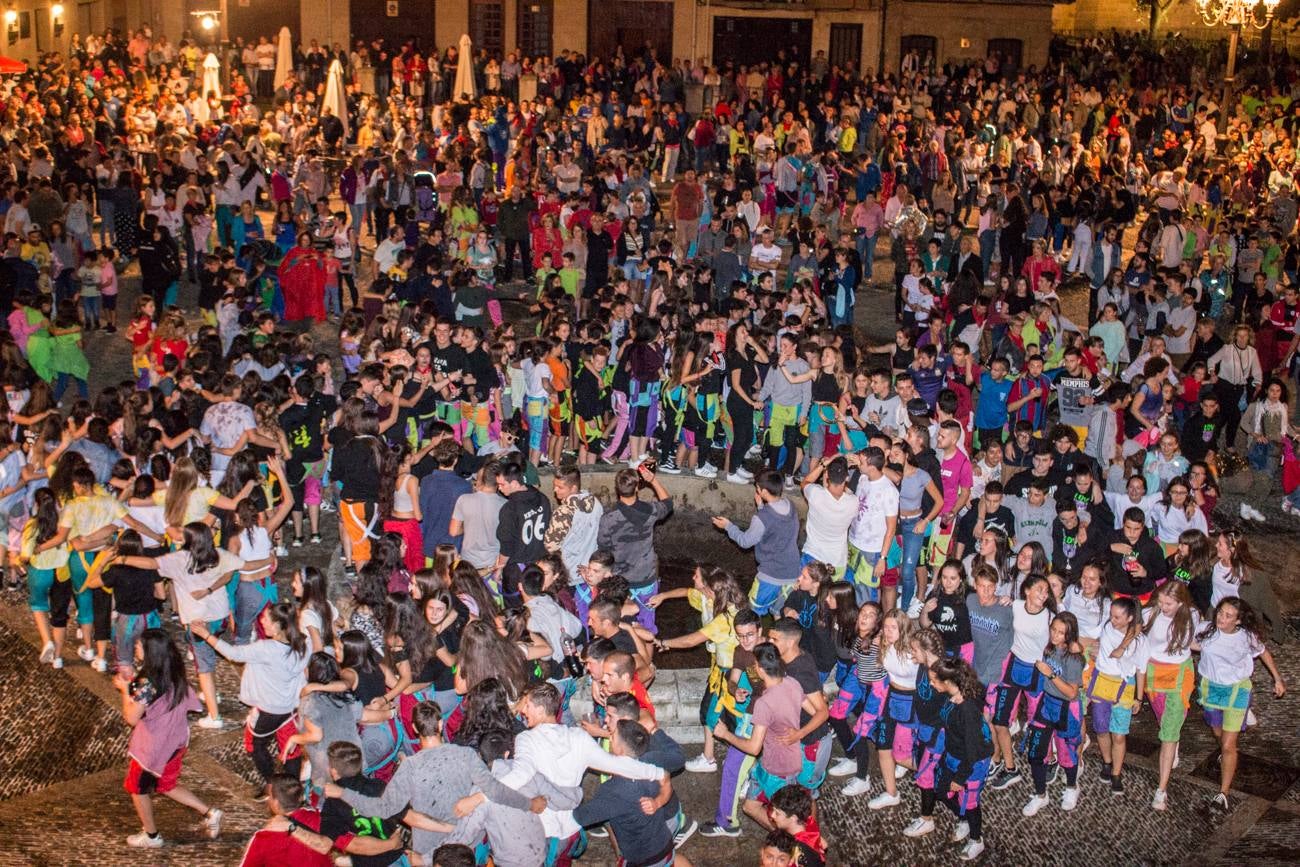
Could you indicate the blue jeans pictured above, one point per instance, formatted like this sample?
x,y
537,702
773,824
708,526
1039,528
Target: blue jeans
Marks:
x,y
90,306
913,543
866,245
61,385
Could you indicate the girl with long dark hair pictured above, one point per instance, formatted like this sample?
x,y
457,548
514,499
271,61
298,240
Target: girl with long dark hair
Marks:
x,y
968,749
1058,720
155,704
47,598
1229,647
316,614
275,671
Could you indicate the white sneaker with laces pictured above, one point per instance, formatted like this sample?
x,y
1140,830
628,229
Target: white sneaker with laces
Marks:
x,y
914,610
86,654
211,722
857,786
144,841
1036,803
745,474
57,663
883,800
1160,800
212,821
960,831
706,472
100,665
701,764
738,479
1070,798
47,653
842,767
974,849
919,828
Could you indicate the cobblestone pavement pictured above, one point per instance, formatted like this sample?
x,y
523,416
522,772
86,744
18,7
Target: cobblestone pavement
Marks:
x,y
64,743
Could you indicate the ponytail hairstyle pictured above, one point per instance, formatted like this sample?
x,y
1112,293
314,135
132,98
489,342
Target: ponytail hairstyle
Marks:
x,y
959,673
45,513
1130,605
247,517
929,640
283,616
315,596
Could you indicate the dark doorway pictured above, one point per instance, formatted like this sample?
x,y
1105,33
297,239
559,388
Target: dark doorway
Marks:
x,y
632,24
746,41
535,22
487,26
1010,53
846,45
413,22
260,19
925,47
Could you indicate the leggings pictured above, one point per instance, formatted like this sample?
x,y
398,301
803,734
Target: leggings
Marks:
x,y
742,429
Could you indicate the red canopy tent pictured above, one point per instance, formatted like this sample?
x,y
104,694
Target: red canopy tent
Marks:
x,y
9,66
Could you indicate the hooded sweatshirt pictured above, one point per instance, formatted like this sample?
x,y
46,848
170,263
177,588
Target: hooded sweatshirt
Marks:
x,y
627,532
572,533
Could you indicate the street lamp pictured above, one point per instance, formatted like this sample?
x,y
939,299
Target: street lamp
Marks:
x,y
1235,15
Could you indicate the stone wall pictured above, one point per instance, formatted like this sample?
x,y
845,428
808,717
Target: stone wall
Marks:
x,y
676,697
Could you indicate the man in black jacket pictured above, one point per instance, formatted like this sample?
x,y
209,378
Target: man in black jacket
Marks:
x,y
512,222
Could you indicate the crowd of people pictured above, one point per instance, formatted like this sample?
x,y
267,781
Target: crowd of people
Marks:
x,y
1010,538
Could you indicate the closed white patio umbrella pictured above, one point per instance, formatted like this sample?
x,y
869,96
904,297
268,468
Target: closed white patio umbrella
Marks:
x,y
336,95
465,70
211,77
283,57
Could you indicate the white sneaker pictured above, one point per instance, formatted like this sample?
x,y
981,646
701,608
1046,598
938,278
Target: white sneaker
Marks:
x,y
281,551
919,828
960,831
899,772
914,610
1160,800
86,654
211,722
1070,798
754,451
701,764
738,479
47,653
57,663
974,849
883,800
745,474
100,665
789,484
144,841
706,472
212,821
858,786
842,767
1036,803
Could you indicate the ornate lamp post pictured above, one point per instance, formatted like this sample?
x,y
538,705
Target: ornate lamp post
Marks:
x,y
1235,15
